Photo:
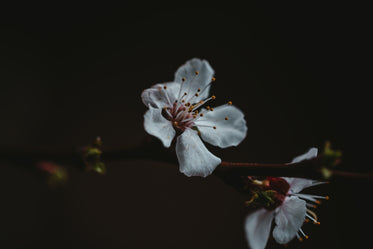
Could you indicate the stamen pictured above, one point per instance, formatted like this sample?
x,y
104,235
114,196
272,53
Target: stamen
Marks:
x,y
181,113
312,198
198,105
205,87
168,98
311,205
304,235
201,125
167,111
313,217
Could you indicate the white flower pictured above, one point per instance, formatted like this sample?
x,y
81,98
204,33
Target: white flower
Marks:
x,y
175,109
289,216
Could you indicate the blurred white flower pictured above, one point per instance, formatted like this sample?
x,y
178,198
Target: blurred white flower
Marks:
x,y
290,212
175,109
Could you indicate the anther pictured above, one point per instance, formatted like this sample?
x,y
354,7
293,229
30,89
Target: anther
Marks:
x,y
185,93
306,236
183,79
208,107
183,101
199,133
213,79
165,87
226,118
214,127
196,94
327,197
197,72
229,102
213,97
211,109
187,104
307,220
318,202
300,240
201,114
175,123
199,89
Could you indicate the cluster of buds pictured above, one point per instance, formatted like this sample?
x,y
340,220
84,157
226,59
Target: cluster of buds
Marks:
x,y
92,157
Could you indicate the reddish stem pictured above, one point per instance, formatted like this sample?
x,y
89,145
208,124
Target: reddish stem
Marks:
x,y
155,152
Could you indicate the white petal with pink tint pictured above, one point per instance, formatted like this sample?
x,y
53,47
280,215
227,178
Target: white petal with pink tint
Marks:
x,y
223,127
193,82
193,156
258,227
155,124
289,219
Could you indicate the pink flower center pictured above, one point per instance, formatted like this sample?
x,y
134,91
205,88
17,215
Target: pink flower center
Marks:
x,y
179,116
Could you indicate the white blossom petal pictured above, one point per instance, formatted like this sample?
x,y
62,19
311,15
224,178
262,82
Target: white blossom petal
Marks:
x,y
194,81
229,132
158,97
289,218
194,158
298,184
257,228
155,124
311,153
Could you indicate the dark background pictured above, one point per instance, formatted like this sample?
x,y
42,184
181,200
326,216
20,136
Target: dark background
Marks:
x,y
71,72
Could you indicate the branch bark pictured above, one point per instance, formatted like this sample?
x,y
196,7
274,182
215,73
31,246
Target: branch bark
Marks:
x,y
153,151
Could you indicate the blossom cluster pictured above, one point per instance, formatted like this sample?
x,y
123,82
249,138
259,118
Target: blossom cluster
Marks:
x,y
179,110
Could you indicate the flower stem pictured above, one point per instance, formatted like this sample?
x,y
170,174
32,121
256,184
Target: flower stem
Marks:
x,y
153,151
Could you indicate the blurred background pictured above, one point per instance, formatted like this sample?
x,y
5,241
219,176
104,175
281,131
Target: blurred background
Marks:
x,y
70,73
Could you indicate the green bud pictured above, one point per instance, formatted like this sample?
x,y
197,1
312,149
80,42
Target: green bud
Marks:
x,y
330,159
92,157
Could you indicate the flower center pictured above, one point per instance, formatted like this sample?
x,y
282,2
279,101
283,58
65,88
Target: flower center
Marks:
x,y
269,193
179,116
185,110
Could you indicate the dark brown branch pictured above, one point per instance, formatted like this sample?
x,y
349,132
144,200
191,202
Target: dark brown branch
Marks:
x,y
154,151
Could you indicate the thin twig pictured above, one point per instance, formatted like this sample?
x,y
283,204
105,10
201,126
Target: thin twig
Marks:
x,y
153,151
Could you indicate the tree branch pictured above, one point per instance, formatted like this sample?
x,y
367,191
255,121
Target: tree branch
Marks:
x,y
153,151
